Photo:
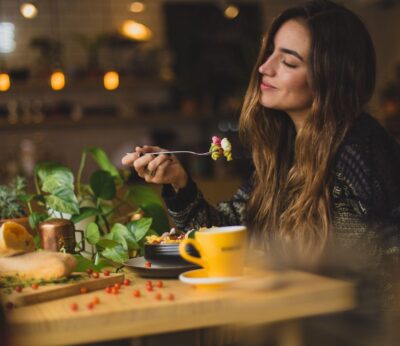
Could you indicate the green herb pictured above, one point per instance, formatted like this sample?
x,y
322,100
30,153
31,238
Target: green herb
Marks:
x,y
10,201
8,283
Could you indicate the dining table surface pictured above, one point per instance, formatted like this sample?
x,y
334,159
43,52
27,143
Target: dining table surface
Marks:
x,y
269,297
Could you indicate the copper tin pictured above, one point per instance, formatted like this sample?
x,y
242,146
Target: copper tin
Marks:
x,y
57,234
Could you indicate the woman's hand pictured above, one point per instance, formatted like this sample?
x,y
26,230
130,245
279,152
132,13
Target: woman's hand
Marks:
x,y
160,169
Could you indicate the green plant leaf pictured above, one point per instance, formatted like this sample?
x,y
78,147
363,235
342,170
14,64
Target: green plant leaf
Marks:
x,y
157,213
58,179
102,184
103,161
97,259
63,200
25,198
92,233
35,218
116,254
142,194
107,243
83,264
84,213
36,240
44,169
121,234
139,228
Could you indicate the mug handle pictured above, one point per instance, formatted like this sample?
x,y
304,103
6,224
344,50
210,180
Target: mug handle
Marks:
x,y
183,252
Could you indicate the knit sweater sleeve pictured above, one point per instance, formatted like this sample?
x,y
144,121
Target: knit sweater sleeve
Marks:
x,y
369,165
189,209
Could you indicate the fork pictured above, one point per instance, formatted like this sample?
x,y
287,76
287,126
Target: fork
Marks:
x,y
179,152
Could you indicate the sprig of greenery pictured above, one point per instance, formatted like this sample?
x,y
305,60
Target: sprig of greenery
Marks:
x,y
10,201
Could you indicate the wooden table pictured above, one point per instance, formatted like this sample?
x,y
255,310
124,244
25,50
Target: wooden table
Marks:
x,y
124,316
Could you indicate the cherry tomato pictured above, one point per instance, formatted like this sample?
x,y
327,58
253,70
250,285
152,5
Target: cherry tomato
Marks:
x,y
35,286
114,290
149,288
160,284
127,282
147,264
158,296
83,290
106,273
89,271
149,283
117,285
108,289
90,306
136,293
171,296
18,289
74,307
96,300
95,275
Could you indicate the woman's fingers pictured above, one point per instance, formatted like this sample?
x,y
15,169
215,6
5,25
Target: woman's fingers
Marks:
x,y
160,176
129,158
152,168
157,161
141,163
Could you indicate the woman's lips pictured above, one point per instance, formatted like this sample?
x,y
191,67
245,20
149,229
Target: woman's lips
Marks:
x,y
266,86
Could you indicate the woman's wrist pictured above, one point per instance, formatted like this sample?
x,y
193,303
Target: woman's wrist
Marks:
x,y
181,182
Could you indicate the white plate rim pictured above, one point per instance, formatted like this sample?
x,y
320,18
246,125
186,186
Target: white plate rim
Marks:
x,y
207,280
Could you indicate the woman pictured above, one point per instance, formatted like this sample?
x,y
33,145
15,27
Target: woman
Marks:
x,y
326,173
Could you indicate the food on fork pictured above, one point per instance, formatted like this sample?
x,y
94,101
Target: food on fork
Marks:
x,y
221,147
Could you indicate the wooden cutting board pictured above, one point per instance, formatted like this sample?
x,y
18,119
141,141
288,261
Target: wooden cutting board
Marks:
x,y
47,292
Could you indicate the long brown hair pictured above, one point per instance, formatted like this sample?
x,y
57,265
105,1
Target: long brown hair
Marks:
x,y
293,171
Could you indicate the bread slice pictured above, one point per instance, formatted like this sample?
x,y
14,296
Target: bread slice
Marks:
x,y
44,265
15,239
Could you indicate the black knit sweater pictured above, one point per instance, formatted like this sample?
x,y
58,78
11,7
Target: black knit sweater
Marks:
x,y
365,195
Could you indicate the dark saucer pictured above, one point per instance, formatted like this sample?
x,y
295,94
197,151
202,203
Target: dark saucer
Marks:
x,y
157,270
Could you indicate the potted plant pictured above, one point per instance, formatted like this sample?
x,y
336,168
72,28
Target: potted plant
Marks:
x,y
119,215
12,199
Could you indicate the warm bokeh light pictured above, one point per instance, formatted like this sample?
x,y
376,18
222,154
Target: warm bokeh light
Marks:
x,y
231,12
29,10
136,31
57,80
111,80
5,82
137,7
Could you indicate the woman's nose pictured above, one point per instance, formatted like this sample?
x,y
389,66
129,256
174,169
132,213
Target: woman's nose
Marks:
x,y
267,67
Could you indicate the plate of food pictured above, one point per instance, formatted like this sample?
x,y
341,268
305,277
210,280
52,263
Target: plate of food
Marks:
x,y
164,249
161,256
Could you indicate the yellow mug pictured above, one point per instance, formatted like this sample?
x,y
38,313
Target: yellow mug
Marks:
x,y
222,250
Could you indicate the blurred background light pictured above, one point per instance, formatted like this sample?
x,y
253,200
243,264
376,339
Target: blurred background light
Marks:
x,y
111,80
57,80
29,10
136,31
7,41
137,7
5,82
231,12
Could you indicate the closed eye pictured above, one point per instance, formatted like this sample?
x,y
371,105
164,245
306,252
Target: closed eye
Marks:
x,y
288,65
